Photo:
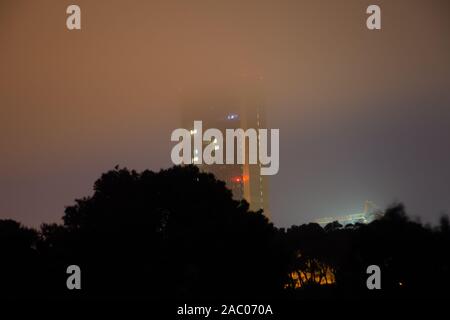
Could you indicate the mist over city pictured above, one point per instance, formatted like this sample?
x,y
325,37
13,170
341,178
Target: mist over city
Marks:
x,y
225,159
362,115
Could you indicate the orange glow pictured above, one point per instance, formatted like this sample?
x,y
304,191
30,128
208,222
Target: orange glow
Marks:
x,y
314,272
240,179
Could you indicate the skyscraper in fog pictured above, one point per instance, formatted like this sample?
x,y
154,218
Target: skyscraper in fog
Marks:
x,y
244,180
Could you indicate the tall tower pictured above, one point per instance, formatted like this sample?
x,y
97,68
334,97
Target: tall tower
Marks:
x,y
228,112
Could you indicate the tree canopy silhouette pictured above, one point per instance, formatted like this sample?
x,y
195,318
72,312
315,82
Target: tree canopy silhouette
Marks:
x,y
179,234
175,233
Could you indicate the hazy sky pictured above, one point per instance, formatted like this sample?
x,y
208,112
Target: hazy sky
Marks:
x,y
363,115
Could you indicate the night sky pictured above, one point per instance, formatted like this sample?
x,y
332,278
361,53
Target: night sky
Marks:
x,y
363,115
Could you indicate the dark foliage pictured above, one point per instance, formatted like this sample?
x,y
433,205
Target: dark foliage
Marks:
x,y
178,234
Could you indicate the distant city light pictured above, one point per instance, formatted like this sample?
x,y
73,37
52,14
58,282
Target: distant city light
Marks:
x,y
232,116
236,179
239,179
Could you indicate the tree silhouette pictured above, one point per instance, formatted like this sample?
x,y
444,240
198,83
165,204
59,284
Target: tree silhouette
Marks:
x,y
179,234
175,233
18,257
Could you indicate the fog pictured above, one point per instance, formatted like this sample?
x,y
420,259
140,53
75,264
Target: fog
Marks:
x,y
363,115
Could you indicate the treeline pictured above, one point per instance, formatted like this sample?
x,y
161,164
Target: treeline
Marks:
x,y
178,234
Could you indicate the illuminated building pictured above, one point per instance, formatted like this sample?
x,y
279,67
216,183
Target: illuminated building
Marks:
x,y
370,213
244,180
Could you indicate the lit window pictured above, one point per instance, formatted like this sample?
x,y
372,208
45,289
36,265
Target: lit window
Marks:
x,y
232,116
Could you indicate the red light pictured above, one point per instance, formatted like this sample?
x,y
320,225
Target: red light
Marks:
x,y
240,179
237,179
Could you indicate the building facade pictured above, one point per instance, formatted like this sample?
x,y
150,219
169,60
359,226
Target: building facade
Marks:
x,y
244,180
